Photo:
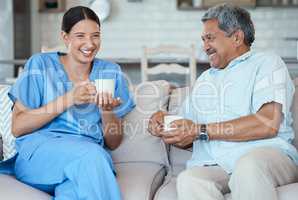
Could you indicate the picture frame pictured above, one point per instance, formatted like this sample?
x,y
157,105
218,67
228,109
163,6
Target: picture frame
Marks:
x,y
52,5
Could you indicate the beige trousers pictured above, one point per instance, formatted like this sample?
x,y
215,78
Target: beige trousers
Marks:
x,y
255,177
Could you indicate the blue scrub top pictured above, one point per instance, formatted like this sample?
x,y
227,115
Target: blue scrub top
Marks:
x,y
44,79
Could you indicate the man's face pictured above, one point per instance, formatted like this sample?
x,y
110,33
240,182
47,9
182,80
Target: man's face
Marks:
x,y
220,48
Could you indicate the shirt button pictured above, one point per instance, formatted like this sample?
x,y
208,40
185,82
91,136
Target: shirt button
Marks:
x,y
82,123
93,128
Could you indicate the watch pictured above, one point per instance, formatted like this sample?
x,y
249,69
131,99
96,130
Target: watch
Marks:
x,y
203,135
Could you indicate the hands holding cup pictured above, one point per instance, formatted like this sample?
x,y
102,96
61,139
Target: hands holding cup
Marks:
x,y
156,123
105,94
173,129
83,93
106,101
161,122
101,92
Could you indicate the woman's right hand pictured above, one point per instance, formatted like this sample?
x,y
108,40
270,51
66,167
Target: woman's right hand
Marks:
x,y
156,123
25,120
83,93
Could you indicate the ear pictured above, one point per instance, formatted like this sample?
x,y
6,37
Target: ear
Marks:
x,y
239,37
65,38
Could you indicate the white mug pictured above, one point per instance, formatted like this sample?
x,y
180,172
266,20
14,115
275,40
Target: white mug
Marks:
x,y
168,119
105,85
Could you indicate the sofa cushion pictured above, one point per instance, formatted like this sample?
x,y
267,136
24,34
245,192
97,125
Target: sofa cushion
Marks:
x,y
135,180
295,112
12,189
167,191
177,97
138,144
5,123
288,192
139,180
228,196
177,156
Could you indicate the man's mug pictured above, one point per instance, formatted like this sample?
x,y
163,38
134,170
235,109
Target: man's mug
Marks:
x,y
168,119
105,85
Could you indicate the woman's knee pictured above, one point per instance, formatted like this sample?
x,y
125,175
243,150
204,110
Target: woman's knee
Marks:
x,y
96,155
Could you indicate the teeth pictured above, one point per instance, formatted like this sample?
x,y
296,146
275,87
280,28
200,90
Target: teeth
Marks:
x,y
86,52
211,55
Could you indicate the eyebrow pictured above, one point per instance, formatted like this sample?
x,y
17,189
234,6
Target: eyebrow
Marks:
x,y
208,33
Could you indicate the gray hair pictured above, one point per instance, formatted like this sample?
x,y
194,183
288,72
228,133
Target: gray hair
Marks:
x,y
230,19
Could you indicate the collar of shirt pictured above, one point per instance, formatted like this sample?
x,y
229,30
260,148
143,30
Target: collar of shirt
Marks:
x,y
63,74
233,63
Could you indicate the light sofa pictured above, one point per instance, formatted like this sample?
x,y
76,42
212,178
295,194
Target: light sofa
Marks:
x,y
146,167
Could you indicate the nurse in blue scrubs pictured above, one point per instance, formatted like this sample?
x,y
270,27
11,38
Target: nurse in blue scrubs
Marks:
x,y
64,127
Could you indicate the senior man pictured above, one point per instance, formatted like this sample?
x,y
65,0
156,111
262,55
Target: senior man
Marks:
x,y
237,117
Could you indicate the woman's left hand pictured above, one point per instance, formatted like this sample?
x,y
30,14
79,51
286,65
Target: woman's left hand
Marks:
x,y
106,102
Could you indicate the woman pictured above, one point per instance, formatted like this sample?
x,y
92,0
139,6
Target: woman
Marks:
x,y
62,124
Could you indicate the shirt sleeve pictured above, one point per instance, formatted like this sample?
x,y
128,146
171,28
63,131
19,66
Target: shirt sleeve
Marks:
x,y
273,84
122,91
28,88
187,109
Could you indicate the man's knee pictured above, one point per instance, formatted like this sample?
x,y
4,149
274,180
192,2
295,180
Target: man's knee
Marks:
x,y
251,167
183,179
199,183
195,176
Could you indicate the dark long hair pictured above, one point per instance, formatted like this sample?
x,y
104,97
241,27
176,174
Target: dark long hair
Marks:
x,y
76,14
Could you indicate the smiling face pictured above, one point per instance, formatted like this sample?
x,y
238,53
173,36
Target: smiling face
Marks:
x,y
83,41
221,49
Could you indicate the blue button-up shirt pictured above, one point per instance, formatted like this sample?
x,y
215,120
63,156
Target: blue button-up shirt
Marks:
x,y
240,89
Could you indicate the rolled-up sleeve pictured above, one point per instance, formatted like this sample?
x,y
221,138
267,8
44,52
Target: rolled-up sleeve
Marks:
x,y
28,88
122,91
273,84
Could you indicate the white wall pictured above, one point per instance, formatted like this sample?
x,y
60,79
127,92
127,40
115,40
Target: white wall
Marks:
x,y
6,37
151,22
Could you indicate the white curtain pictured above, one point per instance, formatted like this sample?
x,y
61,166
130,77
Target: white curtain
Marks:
x,y
6,38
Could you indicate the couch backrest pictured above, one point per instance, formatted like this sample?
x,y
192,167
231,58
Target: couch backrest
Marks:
x,y
295,112
5,123
138,145
178,157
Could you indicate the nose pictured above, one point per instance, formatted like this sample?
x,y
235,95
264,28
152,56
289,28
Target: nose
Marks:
x,y
206,46
89,42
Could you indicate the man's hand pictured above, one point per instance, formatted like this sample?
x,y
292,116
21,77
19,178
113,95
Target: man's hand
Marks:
x,y
156,123
183,134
